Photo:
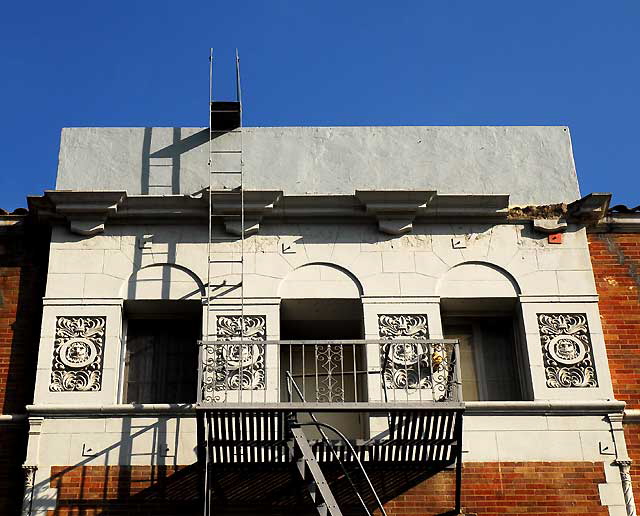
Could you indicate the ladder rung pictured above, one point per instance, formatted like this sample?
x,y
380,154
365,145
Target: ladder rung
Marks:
x,y
212,260
226,172
227,215
224,151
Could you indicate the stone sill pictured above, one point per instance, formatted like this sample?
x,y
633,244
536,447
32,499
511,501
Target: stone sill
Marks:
x,y
473,408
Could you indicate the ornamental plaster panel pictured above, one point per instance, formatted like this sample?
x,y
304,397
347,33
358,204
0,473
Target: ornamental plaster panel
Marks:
x,y
78,354
50,344
228,369
567,350
371,311
538,364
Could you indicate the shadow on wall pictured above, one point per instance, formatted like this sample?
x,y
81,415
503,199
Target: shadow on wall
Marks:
x,y
154,164
162,487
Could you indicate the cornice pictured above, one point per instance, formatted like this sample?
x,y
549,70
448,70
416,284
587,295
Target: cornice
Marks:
x,y
395,212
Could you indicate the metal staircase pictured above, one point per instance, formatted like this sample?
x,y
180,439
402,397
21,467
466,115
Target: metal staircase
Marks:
x,y
312,475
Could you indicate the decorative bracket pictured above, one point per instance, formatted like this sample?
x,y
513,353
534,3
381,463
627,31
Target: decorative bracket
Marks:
x,y
86,212
395,210
590,209
226,204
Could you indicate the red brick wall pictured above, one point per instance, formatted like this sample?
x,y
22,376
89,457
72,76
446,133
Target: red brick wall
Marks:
x,y
516,488
23,260
124,490
490,489
616,267
632,437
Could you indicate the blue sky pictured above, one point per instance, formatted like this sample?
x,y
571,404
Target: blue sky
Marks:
x,y
453,62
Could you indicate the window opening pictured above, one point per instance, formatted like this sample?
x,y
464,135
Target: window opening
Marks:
x,y
161,355
325,372
489,355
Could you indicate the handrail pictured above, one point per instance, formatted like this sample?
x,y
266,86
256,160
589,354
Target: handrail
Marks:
x,y
349,445
334,371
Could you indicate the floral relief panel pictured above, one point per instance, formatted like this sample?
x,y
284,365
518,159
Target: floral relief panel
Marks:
x,y
228,366
567,351
405,364
78,351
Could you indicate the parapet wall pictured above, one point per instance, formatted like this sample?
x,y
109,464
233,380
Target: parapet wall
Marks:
x,y
534,165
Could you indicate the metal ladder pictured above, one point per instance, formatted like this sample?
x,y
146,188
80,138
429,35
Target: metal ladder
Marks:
x,y
226,202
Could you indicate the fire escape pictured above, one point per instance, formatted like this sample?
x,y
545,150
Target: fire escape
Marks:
x,y
269,412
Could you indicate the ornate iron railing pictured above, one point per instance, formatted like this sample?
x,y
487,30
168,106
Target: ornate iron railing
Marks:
x,y
329,371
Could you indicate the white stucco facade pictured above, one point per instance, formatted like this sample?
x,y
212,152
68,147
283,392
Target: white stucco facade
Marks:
x,y
444,257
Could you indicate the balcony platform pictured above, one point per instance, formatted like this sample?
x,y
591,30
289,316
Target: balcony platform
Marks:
x,y
248,454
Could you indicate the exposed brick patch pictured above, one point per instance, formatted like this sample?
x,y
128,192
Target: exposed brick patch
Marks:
x,y
516,488
616,263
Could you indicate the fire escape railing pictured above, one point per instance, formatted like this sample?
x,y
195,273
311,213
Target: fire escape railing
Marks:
x,y
329,372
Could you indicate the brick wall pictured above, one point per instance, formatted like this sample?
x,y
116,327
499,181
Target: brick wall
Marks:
x,y
123,490
516,488
616,267
23,260
490,489
632,437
